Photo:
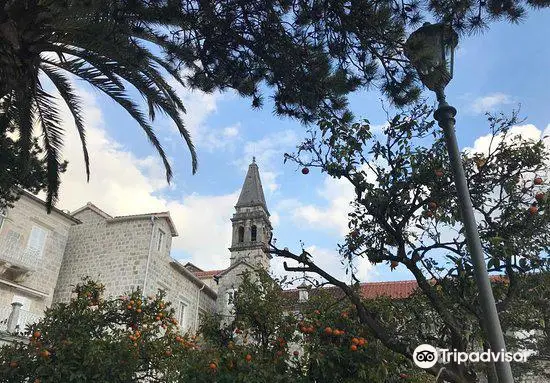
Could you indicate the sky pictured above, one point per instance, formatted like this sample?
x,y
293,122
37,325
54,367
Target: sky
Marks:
x,y
499,70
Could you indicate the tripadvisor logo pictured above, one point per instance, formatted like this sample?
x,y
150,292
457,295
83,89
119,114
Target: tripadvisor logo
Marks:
x,y
426,356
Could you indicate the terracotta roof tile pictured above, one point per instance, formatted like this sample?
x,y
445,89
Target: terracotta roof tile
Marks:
x,y
208,273
371,290
397,289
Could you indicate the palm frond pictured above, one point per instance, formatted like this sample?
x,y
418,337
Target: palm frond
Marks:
x,y
97,79
72,101
141,73
22,106
48,116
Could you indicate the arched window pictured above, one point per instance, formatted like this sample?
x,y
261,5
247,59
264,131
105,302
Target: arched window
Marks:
x,y
241,234
253,233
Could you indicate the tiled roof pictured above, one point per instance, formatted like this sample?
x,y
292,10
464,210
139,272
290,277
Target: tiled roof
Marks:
x,y
208,273
397,289
371,290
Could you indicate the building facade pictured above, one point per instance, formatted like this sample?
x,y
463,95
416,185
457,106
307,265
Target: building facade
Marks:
x,y
32,246
43,256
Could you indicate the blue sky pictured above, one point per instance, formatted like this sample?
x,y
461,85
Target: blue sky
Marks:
x,y
504,67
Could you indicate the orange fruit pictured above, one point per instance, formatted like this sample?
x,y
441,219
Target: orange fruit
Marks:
x,y
353,347
354,340
328,331
212,366
248,357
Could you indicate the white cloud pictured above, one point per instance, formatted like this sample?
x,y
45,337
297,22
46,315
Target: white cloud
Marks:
x,y
231,131
219,138
199,106
527,131
490,102
338,193
123,183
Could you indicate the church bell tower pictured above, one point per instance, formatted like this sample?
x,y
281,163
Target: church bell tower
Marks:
x,y
251,226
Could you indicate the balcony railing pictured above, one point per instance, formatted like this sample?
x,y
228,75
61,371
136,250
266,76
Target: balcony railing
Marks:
x,y
21,318
16,261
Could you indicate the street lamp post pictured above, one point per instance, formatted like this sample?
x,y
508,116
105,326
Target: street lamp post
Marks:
x,y
430,50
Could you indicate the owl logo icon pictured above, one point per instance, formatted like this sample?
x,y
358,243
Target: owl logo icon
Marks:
x,y
425,356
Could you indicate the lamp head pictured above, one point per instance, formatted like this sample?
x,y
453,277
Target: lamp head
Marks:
x,y
430,49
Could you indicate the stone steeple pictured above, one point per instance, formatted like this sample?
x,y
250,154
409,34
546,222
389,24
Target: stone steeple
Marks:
x,y
252,193
251,225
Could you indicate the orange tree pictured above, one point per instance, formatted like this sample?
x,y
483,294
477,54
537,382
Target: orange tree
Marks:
x,y
135,338
318,340
404,213
92,339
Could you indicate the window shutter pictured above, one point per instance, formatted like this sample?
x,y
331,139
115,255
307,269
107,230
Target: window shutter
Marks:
x,y
37,240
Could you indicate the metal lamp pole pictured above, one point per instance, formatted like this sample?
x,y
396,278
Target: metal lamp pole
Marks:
x,y
445,116
430,50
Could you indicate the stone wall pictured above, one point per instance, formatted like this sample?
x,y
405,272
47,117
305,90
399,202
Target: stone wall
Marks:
x,y
113,253
37,288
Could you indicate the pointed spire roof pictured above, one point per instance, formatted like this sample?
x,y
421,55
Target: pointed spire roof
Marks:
x,y
252,193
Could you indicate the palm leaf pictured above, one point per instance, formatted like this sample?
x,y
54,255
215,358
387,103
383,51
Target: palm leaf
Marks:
x,y
147,80
96,78
72,101
50,121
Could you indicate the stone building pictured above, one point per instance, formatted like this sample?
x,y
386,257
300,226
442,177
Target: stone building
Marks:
x,y
32,245
43,256
250,238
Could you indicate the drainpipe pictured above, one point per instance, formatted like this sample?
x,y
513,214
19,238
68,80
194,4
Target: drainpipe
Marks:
x,y
198,302
149,254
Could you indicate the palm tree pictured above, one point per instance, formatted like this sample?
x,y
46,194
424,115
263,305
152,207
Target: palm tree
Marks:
x,y
110,44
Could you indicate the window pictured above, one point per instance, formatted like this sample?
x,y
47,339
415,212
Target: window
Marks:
x,y
230,297
160,240
37,240
181,314
253,233
241,234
